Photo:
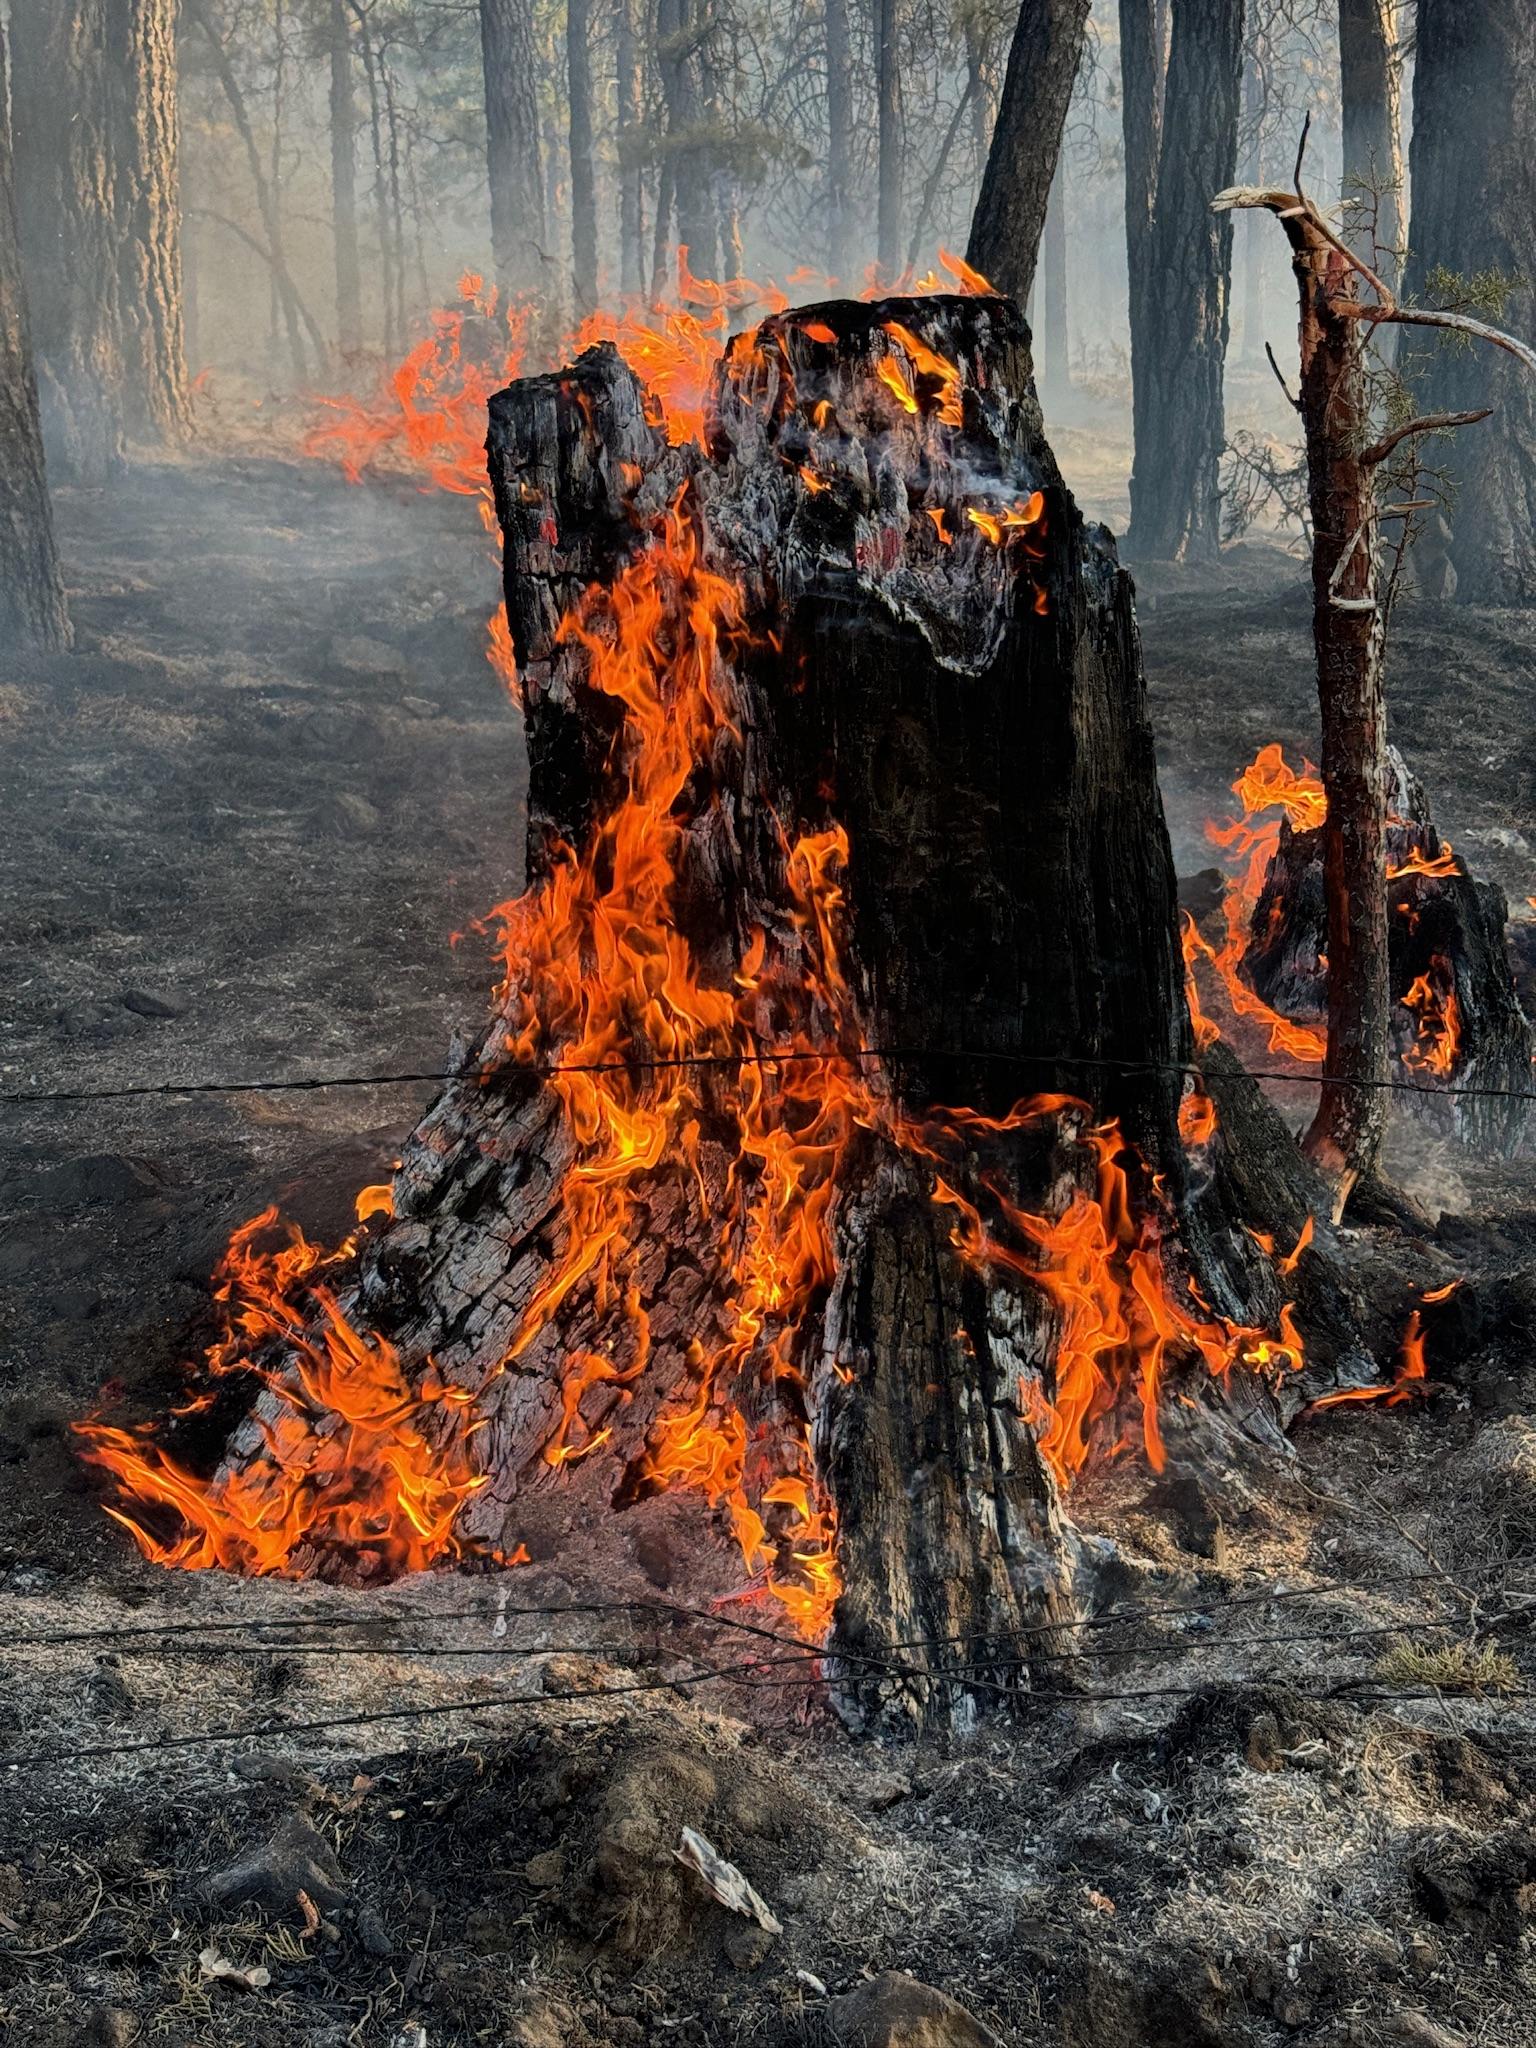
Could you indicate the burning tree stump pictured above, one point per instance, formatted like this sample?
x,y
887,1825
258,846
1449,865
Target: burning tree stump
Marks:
x,y
1457,1023
829,1155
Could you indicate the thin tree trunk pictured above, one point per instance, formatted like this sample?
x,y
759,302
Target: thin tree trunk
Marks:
x,y
1056,361
32,606
296,317
890,137
1141,98
396,204
981,109
839,141
680,28
513,157
631,187
349,276
1253,228
1180,420
1474,211
1371,91
65,202
380,192
578,56
1026,142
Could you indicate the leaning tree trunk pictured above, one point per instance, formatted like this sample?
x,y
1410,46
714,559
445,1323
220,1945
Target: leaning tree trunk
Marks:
x,y
1026,143
578,51
1142,78
512,143
844,836
66,214
889,138
32,607
1474,213
1184,277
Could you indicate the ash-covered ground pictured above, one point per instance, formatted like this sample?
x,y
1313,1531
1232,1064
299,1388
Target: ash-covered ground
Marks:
x,y
1287,1792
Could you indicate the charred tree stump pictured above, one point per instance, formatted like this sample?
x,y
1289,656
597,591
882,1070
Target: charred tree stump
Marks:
x,y
844,837
1457,1022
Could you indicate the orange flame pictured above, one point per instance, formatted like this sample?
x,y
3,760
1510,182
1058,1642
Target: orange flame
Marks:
x,y
1266,784
1433,1003
1407,1383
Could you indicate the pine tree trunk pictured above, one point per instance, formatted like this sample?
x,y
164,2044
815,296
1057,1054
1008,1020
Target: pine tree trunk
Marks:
x,y
631,98
143,72
1370,81
839,141
1180,417
679,25
1474,211
66,215
890,139
513,157
1015,190
343,110
578,34
1141,100
32,607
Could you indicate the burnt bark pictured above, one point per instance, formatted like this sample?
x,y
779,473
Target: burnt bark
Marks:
x,y
32,607
343,114
1015,190
1182,281
513,160
1474,212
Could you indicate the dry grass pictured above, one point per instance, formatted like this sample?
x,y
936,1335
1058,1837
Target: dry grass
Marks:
x,y
1453,1667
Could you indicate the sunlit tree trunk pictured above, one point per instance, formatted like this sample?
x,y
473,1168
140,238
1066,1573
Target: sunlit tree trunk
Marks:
x,y
32,606
1182,279
889,138
1474,211
513,157
343,109
1026,142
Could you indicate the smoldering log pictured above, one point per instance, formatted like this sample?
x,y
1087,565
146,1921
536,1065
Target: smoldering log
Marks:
x,y
1457,1021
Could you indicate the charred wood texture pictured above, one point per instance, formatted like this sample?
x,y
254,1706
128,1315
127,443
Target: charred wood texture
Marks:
x,y
1180,280
1456,1021
32,607
966,706
1474,213
1011,206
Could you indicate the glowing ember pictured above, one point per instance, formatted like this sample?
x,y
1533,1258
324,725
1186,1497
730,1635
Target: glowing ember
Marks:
x,y
1408,1383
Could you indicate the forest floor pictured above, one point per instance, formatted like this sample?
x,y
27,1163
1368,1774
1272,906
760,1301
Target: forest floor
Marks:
x,y
1293,1795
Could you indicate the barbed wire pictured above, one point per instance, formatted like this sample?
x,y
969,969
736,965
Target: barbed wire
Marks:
x,y
771,1057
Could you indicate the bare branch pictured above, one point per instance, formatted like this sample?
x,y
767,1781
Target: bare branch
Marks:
x,y
1456,323
1427,423
1295,403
